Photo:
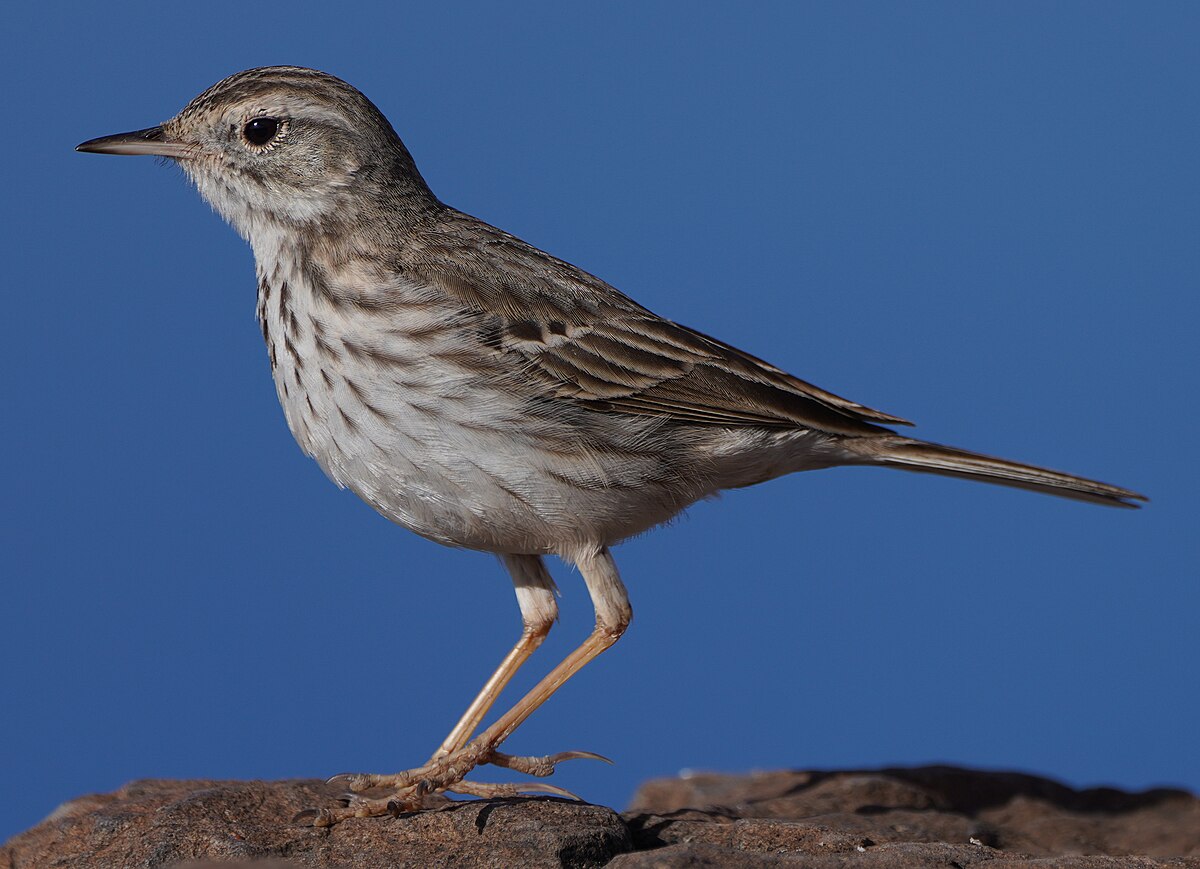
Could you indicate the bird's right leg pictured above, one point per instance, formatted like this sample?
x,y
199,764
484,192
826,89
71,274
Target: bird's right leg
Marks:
x,y
539,610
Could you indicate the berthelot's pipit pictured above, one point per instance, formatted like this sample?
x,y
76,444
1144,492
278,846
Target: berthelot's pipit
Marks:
x,y
484,394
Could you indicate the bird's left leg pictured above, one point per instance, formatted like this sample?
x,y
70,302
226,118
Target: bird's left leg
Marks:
x,y
613,615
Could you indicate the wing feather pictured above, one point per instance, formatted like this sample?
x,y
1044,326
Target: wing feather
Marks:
x,y
589,343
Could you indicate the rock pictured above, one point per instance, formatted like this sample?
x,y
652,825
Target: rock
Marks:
x,y
875,812
232,823
875,819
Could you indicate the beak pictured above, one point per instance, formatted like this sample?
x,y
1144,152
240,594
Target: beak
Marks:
x,y
149,141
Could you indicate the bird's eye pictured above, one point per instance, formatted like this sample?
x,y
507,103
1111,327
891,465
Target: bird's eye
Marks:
x,y
260,131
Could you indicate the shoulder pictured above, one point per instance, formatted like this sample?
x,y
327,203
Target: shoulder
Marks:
x,y
489,269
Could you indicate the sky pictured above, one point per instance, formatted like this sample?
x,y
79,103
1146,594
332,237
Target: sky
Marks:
x,y
982,217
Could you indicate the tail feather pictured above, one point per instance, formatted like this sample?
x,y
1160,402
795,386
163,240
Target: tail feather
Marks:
x,y
931,458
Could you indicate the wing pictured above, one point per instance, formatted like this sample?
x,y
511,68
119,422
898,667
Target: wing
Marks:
x,y
587,342
650,366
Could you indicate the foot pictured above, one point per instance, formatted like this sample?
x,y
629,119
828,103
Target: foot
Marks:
x,y
417,789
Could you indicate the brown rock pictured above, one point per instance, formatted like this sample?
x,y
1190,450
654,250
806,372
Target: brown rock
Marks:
x,y
211,823
880,819
1019,814
904,856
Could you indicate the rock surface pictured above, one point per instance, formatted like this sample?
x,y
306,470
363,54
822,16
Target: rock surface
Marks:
x,y
922,817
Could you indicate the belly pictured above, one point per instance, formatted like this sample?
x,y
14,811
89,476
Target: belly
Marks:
x,y
465,474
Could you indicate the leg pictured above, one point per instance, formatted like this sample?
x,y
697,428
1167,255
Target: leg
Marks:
x,y
613,615
535,596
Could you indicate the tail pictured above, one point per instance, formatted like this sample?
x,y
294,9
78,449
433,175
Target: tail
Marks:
x,y
913,455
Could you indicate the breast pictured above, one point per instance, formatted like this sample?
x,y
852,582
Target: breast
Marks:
x,y
379,390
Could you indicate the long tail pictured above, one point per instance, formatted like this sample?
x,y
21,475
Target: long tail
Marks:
x,y
913,455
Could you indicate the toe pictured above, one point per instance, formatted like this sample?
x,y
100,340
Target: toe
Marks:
x,y
540,766
493,791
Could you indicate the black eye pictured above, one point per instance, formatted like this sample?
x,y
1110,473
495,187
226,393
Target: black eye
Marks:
x,y
259,131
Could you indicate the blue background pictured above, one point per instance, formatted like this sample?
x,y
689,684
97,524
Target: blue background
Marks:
x,y
981,217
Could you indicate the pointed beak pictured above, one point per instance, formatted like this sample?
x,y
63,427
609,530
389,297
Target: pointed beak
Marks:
x,y
149,141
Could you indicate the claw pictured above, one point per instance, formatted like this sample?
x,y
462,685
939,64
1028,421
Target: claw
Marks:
x,y
553,790
582,755
313,818
356,781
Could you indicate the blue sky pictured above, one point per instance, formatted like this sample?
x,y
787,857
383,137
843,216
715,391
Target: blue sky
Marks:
x,y
980,217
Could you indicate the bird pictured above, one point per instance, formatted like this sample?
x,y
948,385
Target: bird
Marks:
x,y
488,395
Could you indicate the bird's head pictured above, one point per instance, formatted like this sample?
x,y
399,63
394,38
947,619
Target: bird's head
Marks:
x,y
283,146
